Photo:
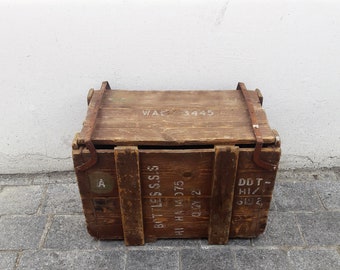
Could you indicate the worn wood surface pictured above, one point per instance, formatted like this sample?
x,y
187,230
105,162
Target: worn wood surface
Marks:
x,y
174,164
174,117
176,186
129,188
223,182
176,189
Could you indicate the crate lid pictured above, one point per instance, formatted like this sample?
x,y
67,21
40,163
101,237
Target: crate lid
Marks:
x,y
165,118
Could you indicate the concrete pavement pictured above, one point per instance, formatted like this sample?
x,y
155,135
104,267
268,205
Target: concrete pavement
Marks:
x,y
42,227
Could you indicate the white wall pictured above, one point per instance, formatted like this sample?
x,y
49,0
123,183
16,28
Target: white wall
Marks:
x,y
52,53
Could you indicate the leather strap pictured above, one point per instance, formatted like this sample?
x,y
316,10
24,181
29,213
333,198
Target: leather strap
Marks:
x,y
256,129
91,119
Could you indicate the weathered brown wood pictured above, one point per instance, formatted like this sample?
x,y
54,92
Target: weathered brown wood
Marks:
x,y
253,193
99,179
277,138
75,145
90,95
176,186
270,154
259,94
169,136
163,165
129,187
195,168
159,117
188,172
225,167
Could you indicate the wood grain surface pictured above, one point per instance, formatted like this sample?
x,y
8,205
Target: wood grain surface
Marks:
x,y
174,164
174,117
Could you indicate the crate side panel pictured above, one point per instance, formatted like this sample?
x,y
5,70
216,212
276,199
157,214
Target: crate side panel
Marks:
x,y
252,194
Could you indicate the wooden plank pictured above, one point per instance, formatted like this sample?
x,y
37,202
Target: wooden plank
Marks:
x,y
158,117
104,123
176,185
170,136
253,193
259,94
90,95
225,168
176,172
269,154
218,98
129,188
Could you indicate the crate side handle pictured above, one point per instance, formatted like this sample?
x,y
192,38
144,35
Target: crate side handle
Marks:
x,y
257,132
90,125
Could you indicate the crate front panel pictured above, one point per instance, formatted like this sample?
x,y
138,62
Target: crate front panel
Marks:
x,y
176,188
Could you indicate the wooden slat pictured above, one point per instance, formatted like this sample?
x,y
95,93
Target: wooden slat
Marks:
x,y
171,136
252,193
189,117
225,167
189,98
151,123
192,167
129,188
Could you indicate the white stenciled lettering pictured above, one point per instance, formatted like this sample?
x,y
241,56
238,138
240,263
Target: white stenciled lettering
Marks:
x,y
255,190
154,191
179,203
249,201
153,169
245,201
179,231
153,177
155,202
198,113
178,213
248,191
259,201
196,209
250,181
244,191
101,183
154,185
245,182
196,192
146,112
178,185
154,112
259,180
158,225
178,218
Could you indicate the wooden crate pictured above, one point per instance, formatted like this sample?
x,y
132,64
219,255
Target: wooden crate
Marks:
x,y
175,164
